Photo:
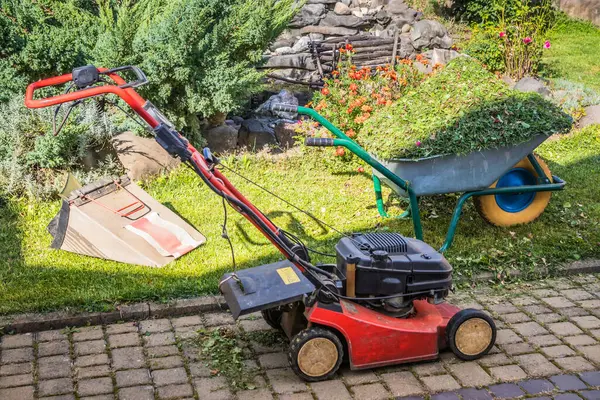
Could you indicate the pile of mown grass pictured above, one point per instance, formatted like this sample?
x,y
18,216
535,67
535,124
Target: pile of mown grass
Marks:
x,y
461,109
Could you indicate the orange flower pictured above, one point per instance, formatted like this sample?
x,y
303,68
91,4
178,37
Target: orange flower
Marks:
x,y
366,108
335,73
353,87
349,47
342,51
419,57
321,106
388,103
325,91
350,133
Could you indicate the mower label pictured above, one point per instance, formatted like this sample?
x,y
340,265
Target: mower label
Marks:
x,y
288,276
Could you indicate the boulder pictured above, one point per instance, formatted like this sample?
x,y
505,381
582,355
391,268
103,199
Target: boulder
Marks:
x,y
300,60
285,134
406,48
310,14
256,133
284,50
396,7
347,21
583,9
592,116
534,85
382,17
342,9
329,30
223,138
278,43
142,157
283,97
301,45
442,56
427,33
321,2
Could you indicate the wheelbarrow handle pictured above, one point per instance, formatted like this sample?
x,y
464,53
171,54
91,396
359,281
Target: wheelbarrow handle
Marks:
x,y
318,142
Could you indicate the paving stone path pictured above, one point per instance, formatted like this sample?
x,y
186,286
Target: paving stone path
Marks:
x,y
548,346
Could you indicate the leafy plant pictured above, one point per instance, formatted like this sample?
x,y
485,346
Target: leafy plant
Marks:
x,y
33,160
485,46
573,97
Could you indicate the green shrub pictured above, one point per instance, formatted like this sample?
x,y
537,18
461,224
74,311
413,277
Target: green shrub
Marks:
x,y
198,54
461,109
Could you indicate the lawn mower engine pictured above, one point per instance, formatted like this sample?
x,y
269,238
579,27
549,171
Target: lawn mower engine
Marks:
x,y
390,271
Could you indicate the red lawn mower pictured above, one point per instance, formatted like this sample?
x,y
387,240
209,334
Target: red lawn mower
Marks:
x,y
381,303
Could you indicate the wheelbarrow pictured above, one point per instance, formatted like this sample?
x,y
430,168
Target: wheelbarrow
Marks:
x,y
509,185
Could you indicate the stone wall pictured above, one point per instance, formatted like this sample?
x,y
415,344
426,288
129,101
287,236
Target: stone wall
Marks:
x,y
290,55
588,10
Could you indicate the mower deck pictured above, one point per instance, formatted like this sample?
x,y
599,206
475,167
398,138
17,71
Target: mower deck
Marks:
x,y
375,339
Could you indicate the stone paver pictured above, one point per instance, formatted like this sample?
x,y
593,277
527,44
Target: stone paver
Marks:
x,y
548,346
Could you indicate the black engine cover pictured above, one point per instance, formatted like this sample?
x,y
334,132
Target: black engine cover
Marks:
x,y
389,264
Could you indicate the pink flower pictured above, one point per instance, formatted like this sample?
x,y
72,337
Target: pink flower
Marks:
x,y
547,44
418,143
502,34
527,40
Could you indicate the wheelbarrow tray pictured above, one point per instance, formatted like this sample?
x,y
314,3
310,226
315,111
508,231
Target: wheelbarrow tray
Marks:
x,y
457,173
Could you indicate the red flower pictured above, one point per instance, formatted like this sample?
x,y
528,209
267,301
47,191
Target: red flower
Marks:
x,y
361,170
502,34
325,91
340,152
527,40
349,47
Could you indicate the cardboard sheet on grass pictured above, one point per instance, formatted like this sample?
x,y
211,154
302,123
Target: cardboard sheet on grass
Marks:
x,y
115,219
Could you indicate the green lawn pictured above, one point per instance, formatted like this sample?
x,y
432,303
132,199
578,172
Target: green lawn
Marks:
x,y
36,278
574,53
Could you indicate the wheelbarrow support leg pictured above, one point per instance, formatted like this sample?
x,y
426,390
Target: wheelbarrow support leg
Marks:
x,y
454,222
379,200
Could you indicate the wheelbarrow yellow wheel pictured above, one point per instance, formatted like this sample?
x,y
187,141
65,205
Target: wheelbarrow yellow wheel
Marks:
x,y
515,209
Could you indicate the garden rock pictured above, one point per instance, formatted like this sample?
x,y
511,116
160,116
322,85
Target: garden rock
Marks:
x,y
301,60
396,7
284,50
347,21
256,133
442,56
142,157
530,84
321,2
283,97
382,17
301,45
429,33
285,133
342,9
406,48
222,138
310,14
592,116
329,30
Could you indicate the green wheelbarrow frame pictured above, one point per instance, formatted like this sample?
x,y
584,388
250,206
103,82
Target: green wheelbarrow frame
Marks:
x,y
545,184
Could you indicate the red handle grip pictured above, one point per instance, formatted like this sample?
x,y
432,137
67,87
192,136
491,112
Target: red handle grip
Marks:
x,y
129,95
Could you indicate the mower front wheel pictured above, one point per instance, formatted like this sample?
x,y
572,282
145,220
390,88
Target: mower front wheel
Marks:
x,y
315,354
470,334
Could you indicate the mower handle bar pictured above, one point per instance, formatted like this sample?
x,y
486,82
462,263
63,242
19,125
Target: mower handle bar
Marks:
x,y
122,88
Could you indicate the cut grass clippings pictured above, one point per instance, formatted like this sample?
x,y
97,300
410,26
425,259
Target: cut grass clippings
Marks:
x,y
34,277
458,110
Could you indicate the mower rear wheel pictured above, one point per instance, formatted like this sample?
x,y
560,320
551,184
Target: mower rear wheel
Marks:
x,y
315,354
470,334
272,317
